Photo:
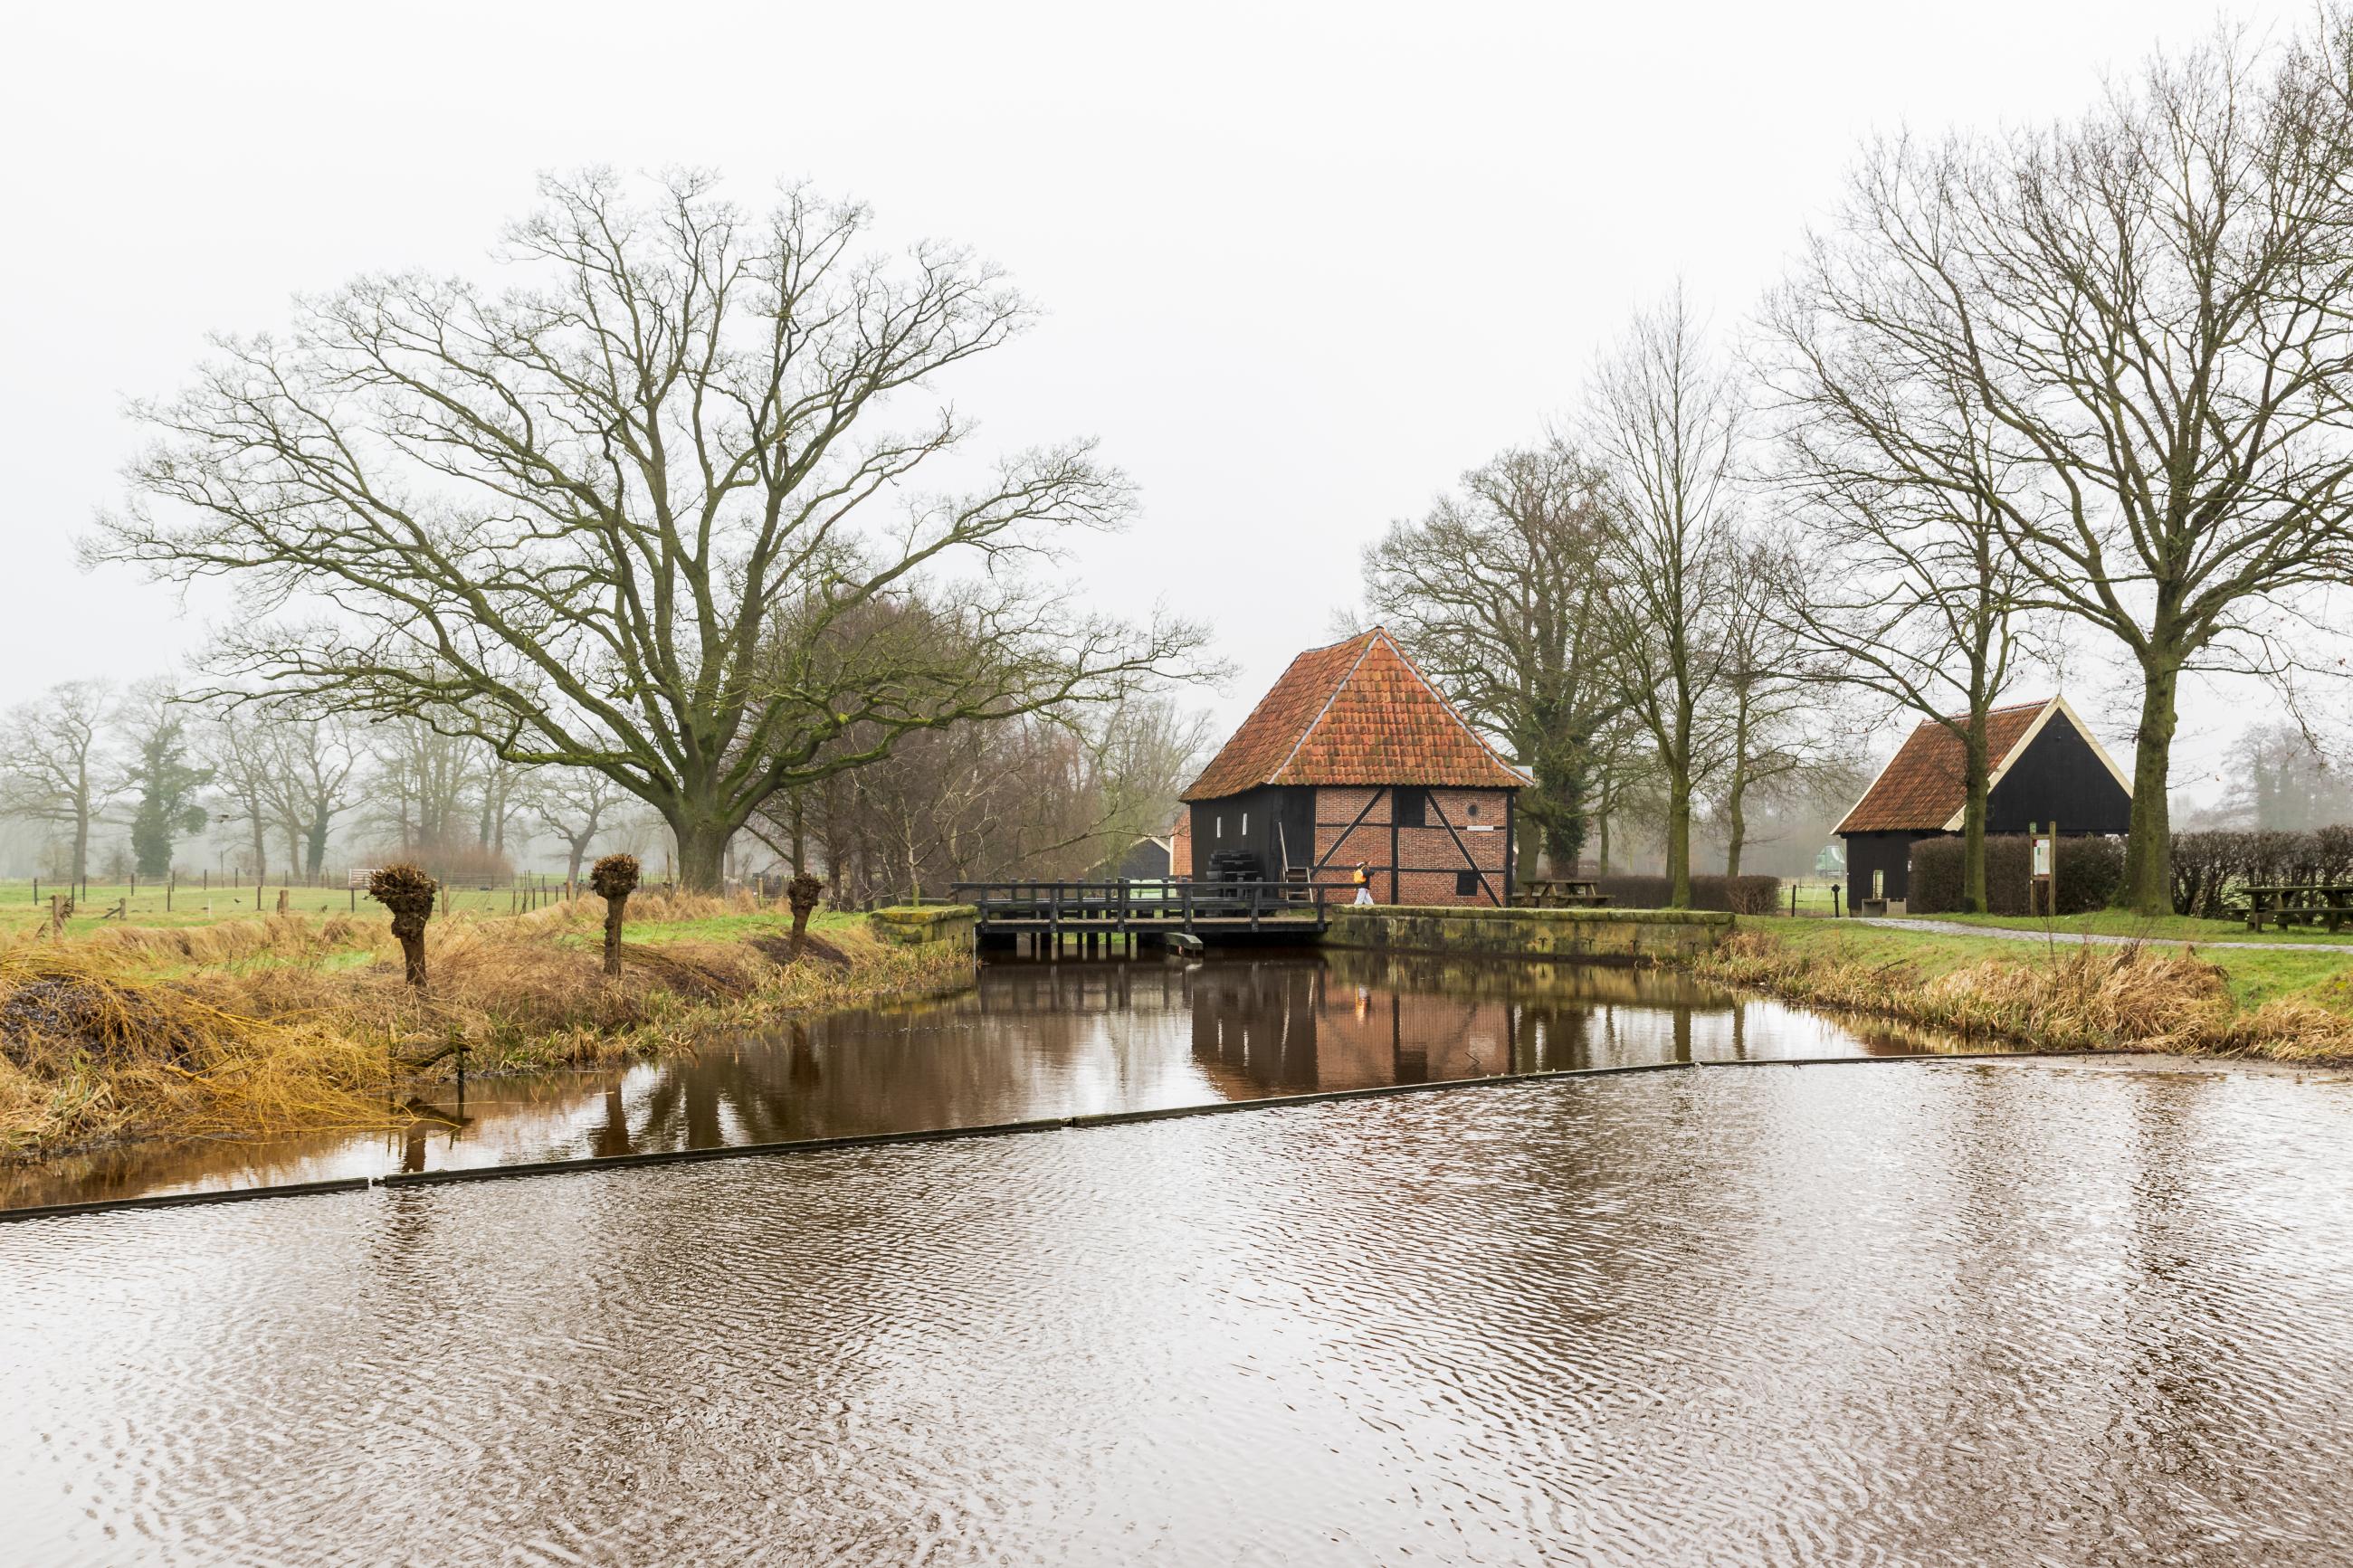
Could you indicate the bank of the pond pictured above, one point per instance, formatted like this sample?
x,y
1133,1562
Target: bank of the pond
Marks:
x,y
2282,1004
284,1023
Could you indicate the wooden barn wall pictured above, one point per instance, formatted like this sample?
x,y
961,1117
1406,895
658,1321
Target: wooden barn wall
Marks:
x,y
2059,775
1888,852
1266,822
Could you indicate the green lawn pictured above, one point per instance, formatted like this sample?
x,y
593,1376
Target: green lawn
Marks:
x,y
194,904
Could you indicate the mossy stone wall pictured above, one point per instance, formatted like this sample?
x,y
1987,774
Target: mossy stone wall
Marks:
x,y
921,925
1630,934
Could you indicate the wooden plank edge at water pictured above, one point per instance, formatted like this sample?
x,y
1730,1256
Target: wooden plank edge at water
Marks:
x,y
981,1130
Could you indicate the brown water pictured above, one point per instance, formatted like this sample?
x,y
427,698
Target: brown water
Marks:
x,y
1031,1040
1920,1313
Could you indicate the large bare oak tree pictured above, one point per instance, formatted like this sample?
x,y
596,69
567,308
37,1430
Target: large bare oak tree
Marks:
x,y
2147,314
570,516
1493,594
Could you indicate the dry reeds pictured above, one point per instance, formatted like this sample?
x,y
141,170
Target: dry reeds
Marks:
x,y
270,1024
2079,996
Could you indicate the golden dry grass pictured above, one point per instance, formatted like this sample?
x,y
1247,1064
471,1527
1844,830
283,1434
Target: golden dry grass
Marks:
x,y
302,1023
2074,997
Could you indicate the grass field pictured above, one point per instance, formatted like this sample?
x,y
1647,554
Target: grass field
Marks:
x,y
193,904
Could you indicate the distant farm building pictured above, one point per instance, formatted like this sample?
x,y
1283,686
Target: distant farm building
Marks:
x,y
1144,860
2046,768
1354,758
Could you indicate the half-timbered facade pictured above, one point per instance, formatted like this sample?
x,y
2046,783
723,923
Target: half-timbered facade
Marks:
x,y
1353,760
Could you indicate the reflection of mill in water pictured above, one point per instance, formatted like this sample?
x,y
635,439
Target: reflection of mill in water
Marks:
x,y
1360,1023
1304,1026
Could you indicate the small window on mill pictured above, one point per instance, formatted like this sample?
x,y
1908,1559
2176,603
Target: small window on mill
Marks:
x,y
1466,884
1473,809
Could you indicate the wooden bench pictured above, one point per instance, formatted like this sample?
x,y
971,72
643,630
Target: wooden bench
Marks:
x,y
1562,893
2300,903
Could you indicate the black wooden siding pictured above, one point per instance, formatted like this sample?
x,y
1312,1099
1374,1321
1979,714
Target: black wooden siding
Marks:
x,y
1280,818
2058,777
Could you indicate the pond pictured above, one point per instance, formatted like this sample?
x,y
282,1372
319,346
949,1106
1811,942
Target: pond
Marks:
x,y
1938,1313
1031,1040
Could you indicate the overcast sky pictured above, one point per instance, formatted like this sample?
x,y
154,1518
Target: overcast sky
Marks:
x,y
1301,266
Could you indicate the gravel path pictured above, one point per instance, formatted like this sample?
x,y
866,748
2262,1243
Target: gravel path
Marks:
x,y
1953,928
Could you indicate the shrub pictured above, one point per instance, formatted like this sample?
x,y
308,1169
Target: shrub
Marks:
x,y
2089,872
1740,895
2208,867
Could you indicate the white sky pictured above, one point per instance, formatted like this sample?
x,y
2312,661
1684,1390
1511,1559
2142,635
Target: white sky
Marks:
x,y
1303,264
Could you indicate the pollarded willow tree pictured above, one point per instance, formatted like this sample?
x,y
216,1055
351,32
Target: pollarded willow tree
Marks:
x,y
2146,316
574,518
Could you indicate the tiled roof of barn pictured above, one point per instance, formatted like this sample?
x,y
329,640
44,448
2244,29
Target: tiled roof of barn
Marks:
x,y
1357,712
1926,783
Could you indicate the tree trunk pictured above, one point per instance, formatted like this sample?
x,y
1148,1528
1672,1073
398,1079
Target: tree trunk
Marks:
x,y
2148,886
1735,829
1977,768
616,910
1679,798
314,855
701,854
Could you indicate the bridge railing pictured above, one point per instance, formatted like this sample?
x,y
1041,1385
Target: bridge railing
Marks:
x,y
1172,901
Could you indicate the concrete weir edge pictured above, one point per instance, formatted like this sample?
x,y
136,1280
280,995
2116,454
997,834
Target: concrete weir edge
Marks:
x,y
950,1134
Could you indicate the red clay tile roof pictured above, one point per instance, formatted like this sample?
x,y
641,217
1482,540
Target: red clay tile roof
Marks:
x,y
1926,783
1357,712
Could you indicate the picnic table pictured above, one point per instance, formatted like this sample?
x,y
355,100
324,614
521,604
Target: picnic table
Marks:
x,y
1562,893
2300,903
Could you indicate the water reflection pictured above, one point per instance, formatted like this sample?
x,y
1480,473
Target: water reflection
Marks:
x,y
1954,1314
1035,1039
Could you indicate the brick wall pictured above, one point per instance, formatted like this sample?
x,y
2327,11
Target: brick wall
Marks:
x,y
1427,859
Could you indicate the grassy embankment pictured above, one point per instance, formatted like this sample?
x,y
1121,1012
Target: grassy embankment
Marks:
x,y
2158,995
267,1023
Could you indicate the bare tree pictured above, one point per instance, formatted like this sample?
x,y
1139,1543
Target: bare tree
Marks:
x,y
313,778
2146,313
570,518
58,766
574,806
1770,713
236,748
417,791
1665,425
1492,595
1899,580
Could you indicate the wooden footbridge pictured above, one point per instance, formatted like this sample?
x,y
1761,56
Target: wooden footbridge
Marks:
x,y
1096,914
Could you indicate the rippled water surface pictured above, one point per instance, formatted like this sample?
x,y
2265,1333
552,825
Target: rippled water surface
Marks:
x,y
1957,1313
1031,1040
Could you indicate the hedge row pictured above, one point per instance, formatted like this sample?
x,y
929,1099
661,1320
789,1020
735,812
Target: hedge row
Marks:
x,y
1740,895
2089,872
2207,866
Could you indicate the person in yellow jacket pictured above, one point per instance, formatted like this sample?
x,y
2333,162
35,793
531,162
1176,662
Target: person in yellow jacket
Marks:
x,y
1363,884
